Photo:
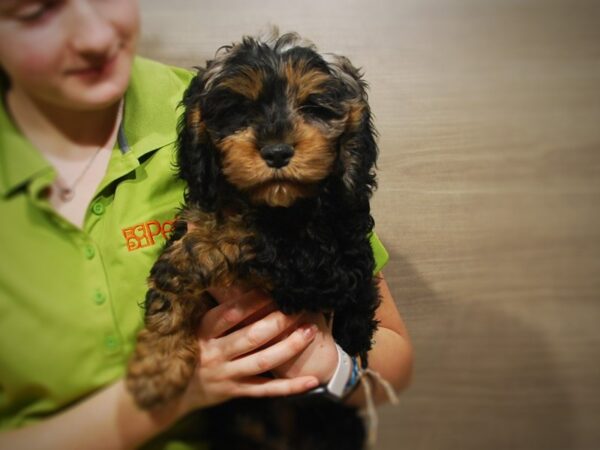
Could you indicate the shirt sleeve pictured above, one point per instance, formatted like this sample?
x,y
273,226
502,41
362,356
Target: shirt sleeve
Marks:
x,y
379,252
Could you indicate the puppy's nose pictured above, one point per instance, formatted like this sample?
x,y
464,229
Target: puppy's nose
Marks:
x,y
277,155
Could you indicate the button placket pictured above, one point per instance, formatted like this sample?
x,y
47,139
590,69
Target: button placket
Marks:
x,y
105,327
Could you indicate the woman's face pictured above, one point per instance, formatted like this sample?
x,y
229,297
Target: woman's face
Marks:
x,y
74,54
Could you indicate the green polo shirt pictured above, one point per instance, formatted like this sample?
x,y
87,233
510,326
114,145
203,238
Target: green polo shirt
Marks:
x,y
70,298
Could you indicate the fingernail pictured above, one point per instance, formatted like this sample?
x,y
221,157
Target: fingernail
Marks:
x,y
312,383
309,331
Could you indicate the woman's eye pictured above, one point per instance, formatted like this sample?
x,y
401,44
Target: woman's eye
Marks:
x,y
34,11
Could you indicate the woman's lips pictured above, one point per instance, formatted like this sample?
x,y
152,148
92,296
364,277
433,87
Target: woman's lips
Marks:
x,y
97,71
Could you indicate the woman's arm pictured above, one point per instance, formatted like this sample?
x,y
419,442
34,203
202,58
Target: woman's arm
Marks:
x,y
230,366
108,419
392,353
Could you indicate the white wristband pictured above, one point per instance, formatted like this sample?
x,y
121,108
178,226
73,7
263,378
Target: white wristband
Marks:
x,y
339,380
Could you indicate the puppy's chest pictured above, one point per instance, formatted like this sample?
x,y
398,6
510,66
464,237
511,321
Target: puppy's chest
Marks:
x,y
305,265
306,270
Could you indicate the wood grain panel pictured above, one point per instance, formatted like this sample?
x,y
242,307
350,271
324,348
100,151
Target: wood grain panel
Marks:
x,y
489,198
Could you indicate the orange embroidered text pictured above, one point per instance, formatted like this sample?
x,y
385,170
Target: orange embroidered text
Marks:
x,y
143,234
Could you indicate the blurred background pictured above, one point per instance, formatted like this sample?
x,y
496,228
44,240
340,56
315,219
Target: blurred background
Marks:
x,y
489,199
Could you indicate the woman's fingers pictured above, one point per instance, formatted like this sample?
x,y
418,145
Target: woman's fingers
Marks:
x,y
256,335
235,309
272,356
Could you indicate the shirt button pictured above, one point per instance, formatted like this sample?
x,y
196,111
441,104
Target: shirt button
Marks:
x,y
99,297
98,208
111,343
89,251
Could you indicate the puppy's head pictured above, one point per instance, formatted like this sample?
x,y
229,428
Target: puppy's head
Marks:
x,y
274,119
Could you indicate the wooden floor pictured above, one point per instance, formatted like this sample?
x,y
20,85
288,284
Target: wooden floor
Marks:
x,y
489,199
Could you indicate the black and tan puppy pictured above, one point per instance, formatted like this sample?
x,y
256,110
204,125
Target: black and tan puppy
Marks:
x,y
277,148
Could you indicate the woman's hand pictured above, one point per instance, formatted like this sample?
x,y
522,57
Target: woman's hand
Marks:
x,y
319,358
240,340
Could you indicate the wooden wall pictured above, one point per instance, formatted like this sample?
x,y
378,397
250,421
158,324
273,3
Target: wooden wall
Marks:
x,y
489,198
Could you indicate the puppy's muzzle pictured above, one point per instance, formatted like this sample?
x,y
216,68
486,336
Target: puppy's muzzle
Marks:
x,y
277,155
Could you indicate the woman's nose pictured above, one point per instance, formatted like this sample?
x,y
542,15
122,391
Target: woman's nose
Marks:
x,y
91,32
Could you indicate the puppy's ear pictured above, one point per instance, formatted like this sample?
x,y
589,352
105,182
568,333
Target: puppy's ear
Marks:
x,y
358,147
197,156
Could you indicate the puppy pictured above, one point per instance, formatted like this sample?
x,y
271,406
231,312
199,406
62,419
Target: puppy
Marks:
x,y
278,150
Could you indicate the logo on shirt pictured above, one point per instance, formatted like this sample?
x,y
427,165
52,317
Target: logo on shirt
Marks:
x,y
144,234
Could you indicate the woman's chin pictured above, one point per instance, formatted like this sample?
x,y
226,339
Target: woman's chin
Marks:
x,y
90,92
96,98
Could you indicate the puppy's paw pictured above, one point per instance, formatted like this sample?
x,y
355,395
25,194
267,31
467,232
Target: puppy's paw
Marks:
x,y
160,369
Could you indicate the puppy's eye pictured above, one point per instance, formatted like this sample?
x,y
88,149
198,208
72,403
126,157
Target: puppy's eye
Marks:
x,y
227,111
319,111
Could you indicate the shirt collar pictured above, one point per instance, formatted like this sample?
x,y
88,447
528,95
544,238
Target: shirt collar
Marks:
x,y
20,161
150,115
150,122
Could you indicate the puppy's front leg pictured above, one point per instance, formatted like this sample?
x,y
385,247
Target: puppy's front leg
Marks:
x,y
167,351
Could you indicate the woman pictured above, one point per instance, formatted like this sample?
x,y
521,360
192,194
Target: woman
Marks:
x,y
87,199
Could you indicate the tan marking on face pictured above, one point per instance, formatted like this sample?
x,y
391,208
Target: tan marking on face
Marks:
x,y
313,159
248,83
314,152
242,164
302,82
312,162
281,193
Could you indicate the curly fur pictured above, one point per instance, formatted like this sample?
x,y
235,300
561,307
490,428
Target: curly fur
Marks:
x,y
299,231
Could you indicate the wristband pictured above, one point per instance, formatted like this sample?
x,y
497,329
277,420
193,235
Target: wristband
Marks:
x,y
344,378
341,376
